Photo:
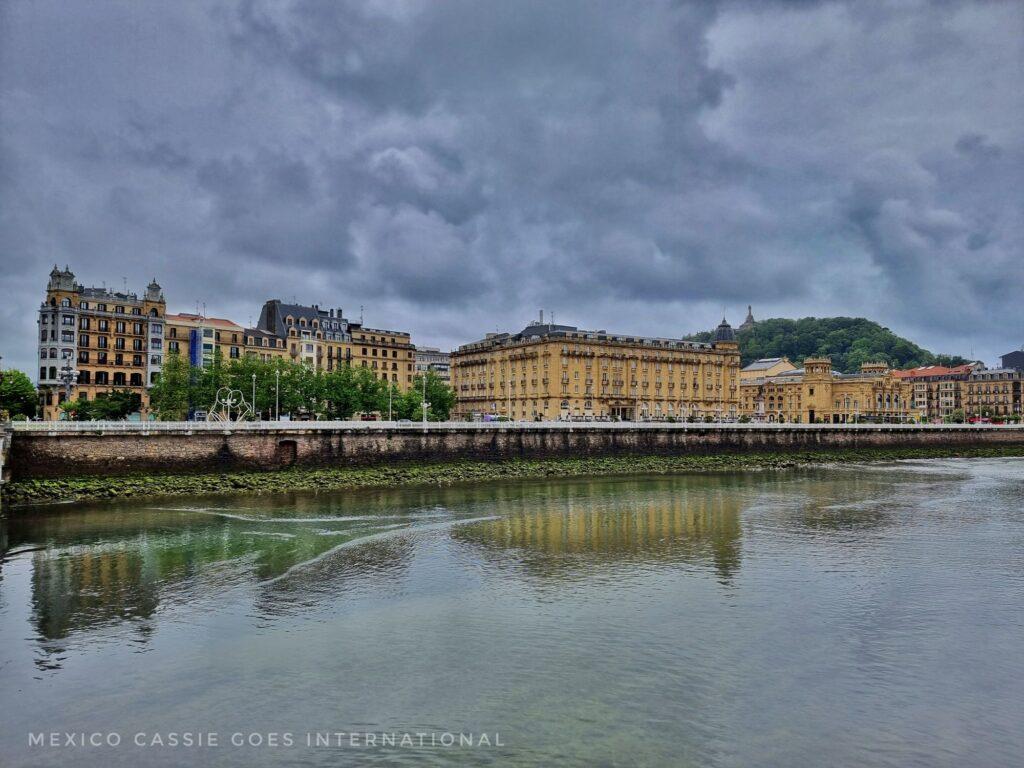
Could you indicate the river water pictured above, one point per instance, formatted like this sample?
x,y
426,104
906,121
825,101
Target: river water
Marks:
x,y
856,615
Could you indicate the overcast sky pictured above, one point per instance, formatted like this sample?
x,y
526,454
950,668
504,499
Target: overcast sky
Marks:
x,y
455,166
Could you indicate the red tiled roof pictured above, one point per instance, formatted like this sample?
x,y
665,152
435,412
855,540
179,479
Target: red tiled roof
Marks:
x,y
931,370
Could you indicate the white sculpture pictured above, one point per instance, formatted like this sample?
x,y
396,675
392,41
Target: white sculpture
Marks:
x,y
229,405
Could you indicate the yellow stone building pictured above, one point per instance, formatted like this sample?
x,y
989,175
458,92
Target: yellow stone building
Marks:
x,y
325,340
816,393
95,340
549,372
198,338
767,366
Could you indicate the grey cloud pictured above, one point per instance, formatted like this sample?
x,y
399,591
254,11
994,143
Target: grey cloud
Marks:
x,y
452,166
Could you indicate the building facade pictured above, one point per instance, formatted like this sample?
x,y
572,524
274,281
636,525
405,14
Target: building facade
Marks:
x,y
433,359
264,346
95,340
937,391
325,339
548,372
992,392
816,394
198,339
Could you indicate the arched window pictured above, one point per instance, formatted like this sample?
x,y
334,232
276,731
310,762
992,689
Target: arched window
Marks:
x,y
65,302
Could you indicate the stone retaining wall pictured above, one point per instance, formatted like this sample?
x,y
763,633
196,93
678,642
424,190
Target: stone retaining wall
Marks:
x,y
56,454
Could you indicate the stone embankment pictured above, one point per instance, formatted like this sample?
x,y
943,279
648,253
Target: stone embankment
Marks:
x,y
60,450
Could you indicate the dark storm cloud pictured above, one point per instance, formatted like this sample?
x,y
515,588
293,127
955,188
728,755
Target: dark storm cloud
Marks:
x,y
453,166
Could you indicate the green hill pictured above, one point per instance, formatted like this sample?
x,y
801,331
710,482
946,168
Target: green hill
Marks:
x,y
849,341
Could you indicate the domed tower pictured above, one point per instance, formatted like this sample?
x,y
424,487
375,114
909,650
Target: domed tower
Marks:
x,y
726,344
154,292
724,333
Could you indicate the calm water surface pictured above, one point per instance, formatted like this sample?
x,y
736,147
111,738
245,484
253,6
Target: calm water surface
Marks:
x,y
861,615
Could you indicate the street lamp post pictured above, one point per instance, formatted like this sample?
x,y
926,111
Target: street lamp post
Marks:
x,y
391,390
277,395
425,403
68,376
254,397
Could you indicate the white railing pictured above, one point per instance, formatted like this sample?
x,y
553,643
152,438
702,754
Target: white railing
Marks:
x,y
151,427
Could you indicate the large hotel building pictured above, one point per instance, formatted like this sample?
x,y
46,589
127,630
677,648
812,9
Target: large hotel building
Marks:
x,y
549,371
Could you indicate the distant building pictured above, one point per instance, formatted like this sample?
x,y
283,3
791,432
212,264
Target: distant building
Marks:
x,y
325,339
433,359
748,323
198,339
993,392
766,366
816,393
1014,360
548,371
95,340
938,390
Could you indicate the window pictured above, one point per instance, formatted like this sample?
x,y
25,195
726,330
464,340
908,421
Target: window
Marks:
x,y
65,302
67,319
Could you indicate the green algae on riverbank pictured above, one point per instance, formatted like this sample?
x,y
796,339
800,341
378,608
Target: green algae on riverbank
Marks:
x,y
24,492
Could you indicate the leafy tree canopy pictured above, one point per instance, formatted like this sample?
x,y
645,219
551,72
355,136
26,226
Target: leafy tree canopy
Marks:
x,y
849,341
17,394
296,389
107,406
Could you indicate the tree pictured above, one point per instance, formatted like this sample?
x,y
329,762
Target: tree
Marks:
x,y
849,341
108,406
169,396
17,395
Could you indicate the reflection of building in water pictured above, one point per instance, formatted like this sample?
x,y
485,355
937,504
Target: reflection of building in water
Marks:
x,y
645,524
103,567
91,588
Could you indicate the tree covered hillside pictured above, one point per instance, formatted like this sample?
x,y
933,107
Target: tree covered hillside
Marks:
x,y
849,341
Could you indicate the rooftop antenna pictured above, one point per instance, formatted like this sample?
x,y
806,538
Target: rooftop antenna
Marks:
x,y
360,314
124,282
204,310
